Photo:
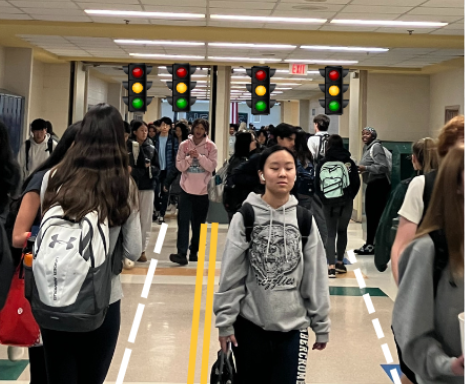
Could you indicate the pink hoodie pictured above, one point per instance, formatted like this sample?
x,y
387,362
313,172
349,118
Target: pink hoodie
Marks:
x,y
196,173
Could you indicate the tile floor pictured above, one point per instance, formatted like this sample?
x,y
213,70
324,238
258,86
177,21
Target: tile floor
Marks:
x,y
160,353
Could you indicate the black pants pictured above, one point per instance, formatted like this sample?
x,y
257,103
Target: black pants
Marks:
x,y
161,197
337,222
82,357
37,368
377,195
269,357
192,209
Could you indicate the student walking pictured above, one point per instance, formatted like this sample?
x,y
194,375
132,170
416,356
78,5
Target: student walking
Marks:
x,y
273,285
196,159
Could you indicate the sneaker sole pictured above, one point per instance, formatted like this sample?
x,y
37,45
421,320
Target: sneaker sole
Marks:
x,y
332,276
340,271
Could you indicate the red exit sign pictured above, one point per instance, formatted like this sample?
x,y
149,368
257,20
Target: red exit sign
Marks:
x,y
298,69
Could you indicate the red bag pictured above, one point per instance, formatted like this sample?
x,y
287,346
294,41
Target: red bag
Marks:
x,y
17,324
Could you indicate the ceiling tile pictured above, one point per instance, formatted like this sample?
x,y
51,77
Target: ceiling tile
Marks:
x,y
376,9
54,11
44,4
448,32
309,14
4,10
309,7
4,4
130,7
167,8
443,19
402,3
366,16
404,30
244,5
77,19
336,2
175,3
117,20
239,11
347,28
436,11
15,16
444,3
178,23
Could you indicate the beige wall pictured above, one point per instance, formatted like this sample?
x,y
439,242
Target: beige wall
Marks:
x,y
446,90
2,67
36,106
290,112
398,106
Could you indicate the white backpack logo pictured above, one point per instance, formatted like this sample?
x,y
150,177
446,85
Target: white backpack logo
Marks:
x,y
334,178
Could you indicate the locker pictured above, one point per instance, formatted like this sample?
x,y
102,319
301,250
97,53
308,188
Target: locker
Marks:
x,y
12,114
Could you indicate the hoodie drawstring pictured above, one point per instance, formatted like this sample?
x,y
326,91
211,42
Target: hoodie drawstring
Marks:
x,y
269,234
284,237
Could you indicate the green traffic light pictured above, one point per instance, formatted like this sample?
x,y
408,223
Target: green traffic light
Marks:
x,y
181,103
260,106
137,103
334,106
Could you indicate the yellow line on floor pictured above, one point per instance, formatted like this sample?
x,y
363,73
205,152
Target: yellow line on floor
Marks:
x,y
197,303
209,304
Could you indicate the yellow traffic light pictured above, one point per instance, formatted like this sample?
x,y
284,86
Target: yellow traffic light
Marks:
x,y
334,90
137,88
260,90
181,88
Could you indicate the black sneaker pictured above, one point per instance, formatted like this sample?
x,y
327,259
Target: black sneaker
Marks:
x,y
179,259
193,257
341,268
161,219
154,216
368,250
332,273
360,250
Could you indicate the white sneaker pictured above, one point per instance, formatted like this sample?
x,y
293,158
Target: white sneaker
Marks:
x,y
128,264
15,353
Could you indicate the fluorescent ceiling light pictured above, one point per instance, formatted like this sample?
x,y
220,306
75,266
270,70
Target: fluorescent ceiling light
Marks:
x,y
274,92
282,88
170,75
390,23
198,81
161,56
244,45
322,61
268,19
150,15
351,49
157,42
242,59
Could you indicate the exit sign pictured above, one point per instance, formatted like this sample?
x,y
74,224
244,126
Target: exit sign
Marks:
x,y
298,69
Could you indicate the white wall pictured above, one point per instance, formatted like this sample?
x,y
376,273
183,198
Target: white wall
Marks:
x,y
446,90
398,106
97,90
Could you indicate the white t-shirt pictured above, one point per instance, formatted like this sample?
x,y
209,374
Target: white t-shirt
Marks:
x,y
314,143
413,206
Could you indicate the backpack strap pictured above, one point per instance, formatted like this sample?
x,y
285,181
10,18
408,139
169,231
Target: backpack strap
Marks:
x,y
248,214
304,219
441,257
28,147
430,178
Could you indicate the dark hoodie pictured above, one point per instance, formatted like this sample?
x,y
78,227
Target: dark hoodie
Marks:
x,y
342,155
144,177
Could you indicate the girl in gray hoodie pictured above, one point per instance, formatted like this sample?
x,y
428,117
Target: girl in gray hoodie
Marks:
x,y
271,289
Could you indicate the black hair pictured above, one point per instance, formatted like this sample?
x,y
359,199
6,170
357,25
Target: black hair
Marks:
x,y
265,133
127,128
242,144
49,128
58,153
166,120
283,131
322,121
235,126
269,151
184,130
202,122
38,125
157,123
302,152
9,168
136,124
335,141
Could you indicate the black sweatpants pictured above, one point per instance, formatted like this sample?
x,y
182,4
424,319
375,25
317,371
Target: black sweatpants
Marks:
x,y
376,198
161,197
38,372
337,222
269,357
192,209
82,357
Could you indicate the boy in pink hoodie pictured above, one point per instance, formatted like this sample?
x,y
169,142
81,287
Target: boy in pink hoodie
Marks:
x,y
196,159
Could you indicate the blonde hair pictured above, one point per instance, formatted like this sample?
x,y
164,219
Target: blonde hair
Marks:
x,y
450,134
243,127
425,151
445,210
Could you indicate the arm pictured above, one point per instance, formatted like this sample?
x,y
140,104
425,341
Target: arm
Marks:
x,y
30,205
183,160
209,163
132,236
22,162
414,312
234,270
405,234
354,179
314,287
171,177
311,146
380,165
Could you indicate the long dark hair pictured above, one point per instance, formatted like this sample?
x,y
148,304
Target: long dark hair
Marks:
x,y
302,153
184,130
9,168
58,153
242,144
94,175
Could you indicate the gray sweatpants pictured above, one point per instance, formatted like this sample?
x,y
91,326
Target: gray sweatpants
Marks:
x,y
146,210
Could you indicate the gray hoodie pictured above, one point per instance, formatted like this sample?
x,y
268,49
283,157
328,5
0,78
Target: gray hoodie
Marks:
x,y
426,328
377,166
274,285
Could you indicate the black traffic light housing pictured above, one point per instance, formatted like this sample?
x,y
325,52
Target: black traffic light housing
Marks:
x,y
181,101
334,104
263,81
137,99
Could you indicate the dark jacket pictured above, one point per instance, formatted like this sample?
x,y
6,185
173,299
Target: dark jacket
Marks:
x,y
144,177
172,144
342,155
245,176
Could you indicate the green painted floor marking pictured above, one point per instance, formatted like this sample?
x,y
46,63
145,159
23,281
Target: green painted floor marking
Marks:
x,y
10,370
354,291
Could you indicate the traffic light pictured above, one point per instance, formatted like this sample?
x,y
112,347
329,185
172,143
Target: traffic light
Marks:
x,y
261,90
137,85
333,88
181,98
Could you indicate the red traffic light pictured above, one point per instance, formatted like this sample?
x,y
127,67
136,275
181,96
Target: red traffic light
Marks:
x,y
137,72
181,72
334,75
260,75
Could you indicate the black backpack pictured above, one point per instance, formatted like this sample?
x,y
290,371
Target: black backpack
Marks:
x,y
304,218
322,147
28,147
